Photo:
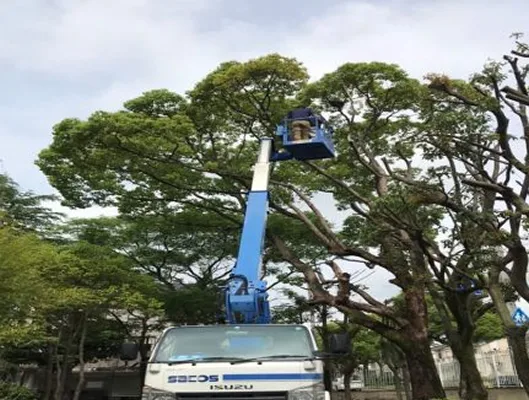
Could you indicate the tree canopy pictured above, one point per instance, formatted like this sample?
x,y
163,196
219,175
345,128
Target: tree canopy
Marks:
x,y
427,171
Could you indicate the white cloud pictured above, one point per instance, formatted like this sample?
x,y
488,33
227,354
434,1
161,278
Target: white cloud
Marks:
x,y
448,36
92,212
76,37
82,55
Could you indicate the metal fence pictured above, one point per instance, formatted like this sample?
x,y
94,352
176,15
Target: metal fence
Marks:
x,y
497,370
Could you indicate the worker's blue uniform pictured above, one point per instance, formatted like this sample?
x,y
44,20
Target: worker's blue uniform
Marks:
x,y
306,114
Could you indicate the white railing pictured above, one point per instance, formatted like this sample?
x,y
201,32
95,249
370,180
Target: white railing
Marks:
x,y
497,370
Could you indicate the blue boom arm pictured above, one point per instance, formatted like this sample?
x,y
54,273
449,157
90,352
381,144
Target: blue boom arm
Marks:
x,y
246,298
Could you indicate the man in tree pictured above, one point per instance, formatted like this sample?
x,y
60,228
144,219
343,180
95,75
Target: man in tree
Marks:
x,y
303,119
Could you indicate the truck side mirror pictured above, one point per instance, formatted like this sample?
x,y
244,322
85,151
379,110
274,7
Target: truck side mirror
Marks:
x,y
339,343
129,351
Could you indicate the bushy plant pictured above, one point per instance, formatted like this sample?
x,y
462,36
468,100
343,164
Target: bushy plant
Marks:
x,y
12,391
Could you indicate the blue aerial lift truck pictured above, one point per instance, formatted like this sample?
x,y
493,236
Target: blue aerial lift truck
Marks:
x,y
246,299
248,356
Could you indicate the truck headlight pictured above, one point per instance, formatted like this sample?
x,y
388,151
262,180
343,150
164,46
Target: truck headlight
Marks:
x,y
312,392
155,394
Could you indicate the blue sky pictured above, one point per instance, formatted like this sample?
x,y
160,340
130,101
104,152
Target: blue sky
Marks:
x,y
67,58
62,58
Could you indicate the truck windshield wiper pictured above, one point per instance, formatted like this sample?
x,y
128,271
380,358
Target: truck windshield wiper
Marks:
x,y
272,357
197,360
220,359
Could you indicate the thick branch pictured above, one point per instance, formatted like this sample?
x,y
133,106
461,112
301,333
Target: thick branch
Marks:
x,y
321,219
341,185
513,62
482,310
310,276
314,229
514,95
518,272
508,194
501,119
321,296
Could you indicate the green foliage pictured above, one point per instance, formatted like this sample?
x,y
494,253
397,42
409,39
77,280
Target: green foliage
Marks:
x,y
297,309
295,234
375,101
487,325
178,152
365,345
104,337
194,305
175,248
23,210
51,288
22,289
12,391
199,155
248,97
489,328
57,286
188,254
288,313
157,103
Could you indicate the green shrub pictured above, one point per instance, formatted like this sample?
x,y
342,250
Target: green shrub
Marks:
x,y
12,391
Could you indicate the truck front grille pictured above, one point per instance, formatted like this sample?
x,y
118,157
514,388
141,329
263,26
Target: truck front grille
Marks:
x,y
234,395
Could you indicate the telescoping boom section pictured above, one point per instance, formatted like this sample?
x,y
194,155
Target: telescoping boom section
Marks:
x,y
247,299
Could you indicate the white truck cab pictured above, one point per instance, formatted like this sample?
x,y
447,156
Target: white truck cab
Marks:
x,y
264,362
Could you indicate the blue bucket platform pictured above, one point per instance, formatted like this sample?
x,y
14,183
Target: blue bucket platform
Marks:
x,y
319,146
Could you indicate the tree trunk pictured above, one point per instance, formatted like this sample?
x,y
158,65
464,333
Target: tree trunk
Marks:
x,y
471,385
66,369
58,393
327,379
49,373
425,382
393,355
347,384
407,382
365,373
348,370
144,351
81,382
516,338
396,380
515,335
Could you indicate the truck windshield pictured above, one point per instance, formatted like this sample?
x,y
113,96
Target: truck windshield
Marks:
x,y
232,342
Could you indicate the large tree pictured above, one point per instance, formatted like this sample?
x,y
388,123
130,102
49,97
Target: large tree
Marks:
x,y
24,209
190,254
55,298
196,153
91,284
490,181
60,296
199,152
21,287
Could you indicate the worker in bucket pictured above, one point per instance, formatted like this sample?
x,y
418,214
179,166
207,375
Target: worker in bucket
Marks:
x,y
303,119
